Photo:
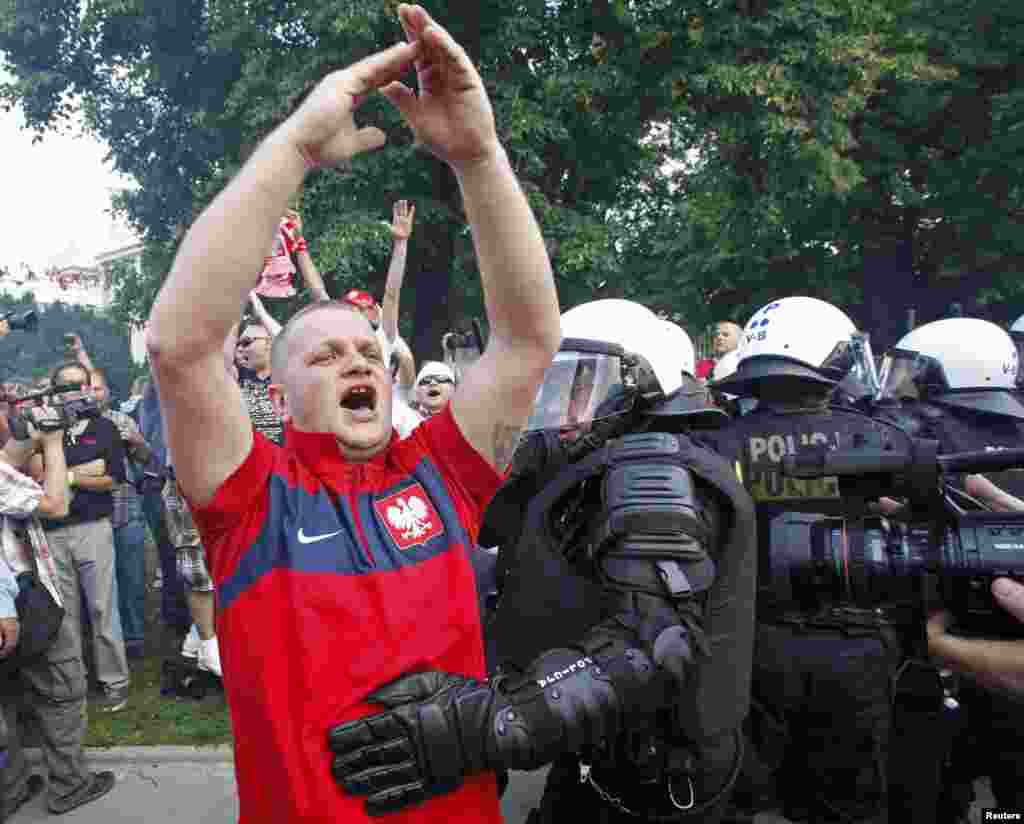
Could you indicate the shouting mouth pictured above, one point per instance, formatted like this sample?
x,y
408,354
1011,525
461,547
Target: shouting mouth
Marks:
x,y
361,402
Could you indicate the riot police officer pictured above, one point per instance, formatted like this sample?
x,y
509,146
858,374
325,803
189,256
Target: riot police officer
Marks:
x,y
625,622
822,665
955,379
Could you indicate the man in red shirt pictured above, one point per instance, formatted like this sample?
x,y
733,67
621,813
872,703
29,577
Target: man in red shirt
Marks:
x,y
340,559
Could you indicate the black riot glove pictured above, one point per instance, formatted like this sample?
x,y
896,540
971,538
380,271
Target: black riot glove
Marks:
x,y
439,728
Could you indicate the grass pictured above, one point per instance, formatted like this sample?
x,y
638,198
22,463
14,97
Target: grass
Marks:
x,y
152,719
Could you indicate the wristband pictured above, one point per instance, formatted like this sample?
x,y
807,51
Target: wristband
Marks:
x,y
71,478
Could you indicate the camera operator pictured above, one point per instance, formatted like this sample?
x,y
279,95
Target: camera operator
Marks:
x,y
127,519
53,684
83,543
821,720
964,398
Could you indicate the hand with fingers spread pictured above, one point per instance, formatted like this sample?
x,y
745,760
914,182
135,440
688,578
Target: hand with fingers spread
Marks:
x,y
996,664
401,220
451,116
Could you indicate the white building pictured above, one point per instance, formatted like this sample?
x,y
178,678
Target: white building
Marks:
x,y
132,253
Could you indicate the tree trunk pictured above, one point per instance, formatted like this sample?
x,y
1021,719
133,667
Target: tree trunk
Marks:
x,y
436,312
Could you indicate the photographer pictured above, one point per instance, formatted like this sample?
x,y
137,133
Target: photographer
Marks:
x,y
126,520
52,684
83,543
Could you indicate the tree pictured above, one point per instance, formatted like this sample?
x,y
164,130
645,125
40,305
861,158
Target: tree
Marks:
x,y
181,92
864,152
702,156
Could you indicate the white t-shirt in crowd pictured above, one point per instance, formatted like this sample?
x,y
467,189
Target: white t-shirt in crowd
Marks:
x,y
403,417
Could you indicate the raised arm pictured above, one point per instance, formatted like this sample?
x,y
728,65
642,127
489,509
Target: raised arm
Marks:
x,y
452,117
208,431
402,215
263,316
310,274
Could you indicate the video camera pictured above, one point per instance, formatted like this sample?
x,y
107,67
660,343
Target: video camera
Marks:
x,y
932,553
69,412
26,321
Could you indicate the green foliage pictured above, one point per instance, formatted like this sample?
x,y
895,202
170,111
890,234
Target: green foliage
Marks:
x,y
703,157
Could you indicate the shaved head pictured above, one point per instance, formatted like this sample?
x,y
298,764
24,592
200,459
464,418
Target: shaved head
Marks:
x,y
280,348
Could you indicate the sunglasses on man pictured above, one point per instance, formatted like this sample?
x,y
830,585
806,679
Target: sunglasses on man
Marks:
x,y
430,380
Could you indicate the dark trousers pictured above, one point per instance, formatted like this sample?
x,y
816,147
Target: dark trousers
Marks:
x,y
990,743
820,727
52,691
130,565
173,606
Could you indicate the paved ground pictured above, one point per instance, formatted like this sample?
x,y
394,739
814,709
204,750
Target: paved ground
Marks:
x,y
172,785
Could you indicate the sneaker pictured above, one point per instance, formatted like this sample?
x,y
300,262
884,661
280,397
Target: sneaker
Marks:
x,y
190,648
98,784
112,700
209,657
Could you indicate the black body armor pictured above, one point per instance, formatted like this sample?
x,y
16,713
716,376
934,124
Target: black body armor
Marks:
x,y
657,531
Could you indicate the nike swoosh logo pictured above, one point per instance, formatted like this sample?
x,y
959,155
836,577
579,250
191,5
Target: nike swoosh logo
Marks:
x,y
312,539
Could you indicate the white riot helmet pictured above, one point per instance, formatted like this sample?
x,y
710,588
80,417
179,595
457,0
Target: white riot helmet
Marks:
x,y
799,339
613,353
682,347
966,363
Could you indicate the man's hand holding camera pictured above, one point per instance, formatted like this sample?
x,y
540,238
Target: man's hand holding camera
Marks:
x,y
996,664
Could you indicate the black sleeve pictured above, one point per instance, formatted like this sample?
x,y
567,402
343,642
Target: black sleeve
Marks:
x,y
115,454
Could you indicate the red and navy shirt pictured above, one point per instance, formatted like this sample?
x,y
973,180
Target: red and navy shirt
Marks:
x,y
334,578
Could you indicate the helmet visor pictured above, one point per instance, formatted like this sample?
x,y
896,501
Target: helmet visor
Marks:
x,y
578,388
839,362
1018,341
910,376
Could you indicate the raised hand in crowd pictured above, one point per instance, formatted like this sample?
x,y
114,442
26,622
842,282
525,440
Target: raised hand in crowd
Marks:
x,y
996,664
402,216
262,315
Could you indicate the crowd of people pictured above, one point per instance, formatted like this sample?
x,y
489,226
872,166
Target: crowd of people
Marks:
x,y
679,627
